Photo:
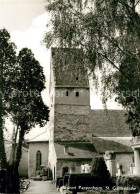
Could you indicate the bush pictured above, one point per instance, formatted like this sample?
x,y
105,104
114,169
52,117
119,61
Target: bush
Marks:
x,y
72,180
46,172
49,174
99,168
83,182
59,182
130,182
103,192
65,180
2,181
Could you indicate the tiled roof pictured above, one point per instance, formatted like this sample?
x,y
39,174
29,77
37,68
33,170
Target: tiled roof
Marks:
x,y
102,145
43,137
109,123
101,123
89,150
122,140
76,150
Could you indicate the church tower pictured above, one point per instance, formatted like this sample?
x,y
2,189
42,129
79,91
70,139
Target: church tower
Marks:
x,y
70,96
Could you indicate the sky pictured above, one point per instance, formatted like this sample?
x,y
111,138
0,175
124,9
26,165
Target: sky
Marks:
x,y
26,21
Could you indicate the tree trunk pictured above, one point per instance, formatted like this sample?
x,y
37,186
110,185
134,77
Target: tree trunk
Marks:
x,y
3,163
13,175
12,179
23,128
14,146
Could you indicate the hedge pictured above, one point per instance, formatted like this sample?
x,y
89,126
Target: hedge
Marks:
x,y
59,182
65,180
2,181
103,192
84,182
130,182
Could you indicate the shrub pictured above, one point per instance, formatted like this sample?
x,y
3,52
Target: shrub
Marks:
x,y
65,180
99,168
49,174
46,172
73,179
103,192
59,182
130,182
2,181
86,181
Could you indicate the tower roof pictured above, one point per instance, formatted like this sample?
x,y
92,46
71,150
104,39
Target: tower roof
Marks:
x,y
69,68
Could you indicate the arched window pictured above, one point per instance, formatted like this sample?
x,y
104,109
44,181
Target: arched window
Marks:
x,y
38,160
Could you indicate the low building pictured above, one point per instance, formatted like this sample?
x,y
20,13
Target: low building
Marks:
x,y
72,155
38,154
72,121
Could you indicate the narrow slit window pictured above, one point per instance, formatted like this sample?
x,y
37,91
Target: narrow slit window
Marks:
x,y
38,160
77,78
133,159
77,94
67,93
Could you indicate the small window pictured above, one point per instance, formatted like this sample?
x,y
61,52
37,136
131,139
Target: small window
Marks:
x,y
67,93
38,160
77,94
77,78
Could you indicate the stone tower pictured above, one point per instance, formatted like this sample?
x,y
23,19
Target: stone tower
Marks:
x,y
70,96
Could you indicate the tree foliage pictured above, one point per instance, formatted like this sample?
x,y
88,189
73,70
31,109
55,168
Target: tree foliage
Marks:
x,y
108,31
22,81
7,61
99,168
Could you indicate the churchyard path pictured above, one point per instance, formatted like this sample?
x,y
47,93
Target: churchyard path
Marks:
x,y
41,187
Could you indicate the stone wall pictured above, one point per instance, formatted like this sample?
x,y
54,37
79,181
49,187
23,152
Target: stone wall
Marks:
x,y
83,98
76,164
69,68
43,147
71,122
